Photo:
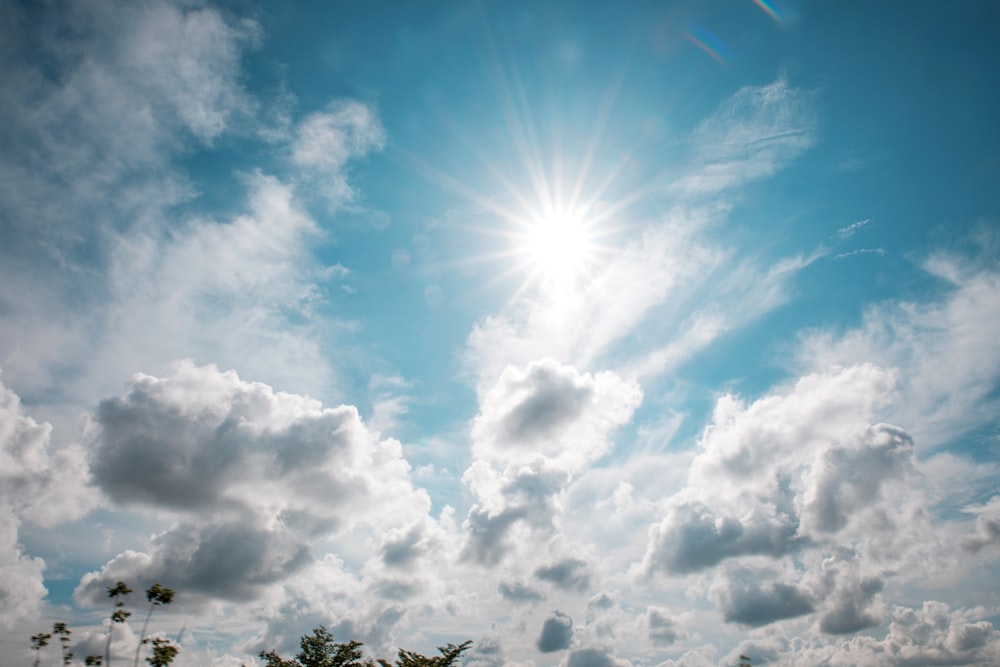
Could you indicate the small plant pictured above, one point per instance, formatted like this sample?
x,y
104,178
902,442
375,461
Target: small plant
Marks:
x,y
63,633
163,653
156,595
38,642
450,653
320,650
118,615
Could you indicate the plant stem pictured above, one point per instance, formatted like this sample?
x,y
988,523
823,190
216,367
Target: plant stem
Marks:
x,y
138,647
107,645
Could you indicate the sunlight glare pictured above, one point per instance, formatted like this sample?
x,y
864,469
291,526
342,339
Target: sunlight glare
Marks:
x,y
558,244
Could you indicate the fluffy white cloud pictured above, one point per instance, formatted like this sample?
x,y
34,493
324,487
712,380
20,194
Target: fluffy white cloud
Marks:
x,y
662,626
23,587
536,427
551,411
945,351
557,633
38,484
252,477
801,476
754,598
987,527
933,634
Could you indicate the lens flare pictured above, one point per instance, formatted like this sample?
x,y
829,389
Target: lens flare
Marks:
x,y
708,43
770,9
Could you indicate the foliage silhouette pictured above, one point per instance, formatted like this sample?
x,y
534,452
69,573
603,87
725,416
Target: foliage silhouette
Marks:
x,y
320,650
157,595
118,615
163,652
63,633
38,642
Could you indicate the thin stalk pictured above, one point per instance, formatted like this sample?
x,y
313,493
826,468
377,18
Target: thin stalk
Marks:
x,y
107,644
142,637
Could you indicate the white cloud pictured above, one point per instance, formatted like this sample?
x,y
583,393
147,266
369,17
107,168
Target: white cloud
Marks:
x,y
536,427
253,478
98,102
933,634
850,230
552,411
758,131
755,598
945,352
21,574
557,633
987,526
39,484
800,476
327,140
238,293
98,113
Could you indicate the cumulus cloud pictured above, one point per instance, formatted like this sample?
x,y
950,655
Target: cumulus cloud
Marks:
x,y
557,633
947,368
987,526
593,657
536,427
661,626
570,574
694,536
801,475
254,475
487,651
774,476
37,484
746,598
552,410
518,591
850,613
933,634
526,499
23,585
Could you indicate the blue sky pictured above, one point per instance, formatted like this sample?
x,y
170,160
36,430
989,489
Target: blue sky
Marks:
x,y
600,334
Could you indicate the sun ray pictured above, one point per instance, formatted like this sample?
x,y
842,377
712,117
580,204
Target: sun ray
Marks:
x,y
548,221
604,114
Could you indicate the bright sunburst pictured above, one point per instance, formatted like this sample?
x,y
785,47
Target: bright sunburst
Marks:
x,y
551,230
558,245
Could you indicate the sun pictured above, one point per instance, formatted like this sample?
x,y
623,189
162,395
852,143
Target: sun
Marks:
x,y
557,245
